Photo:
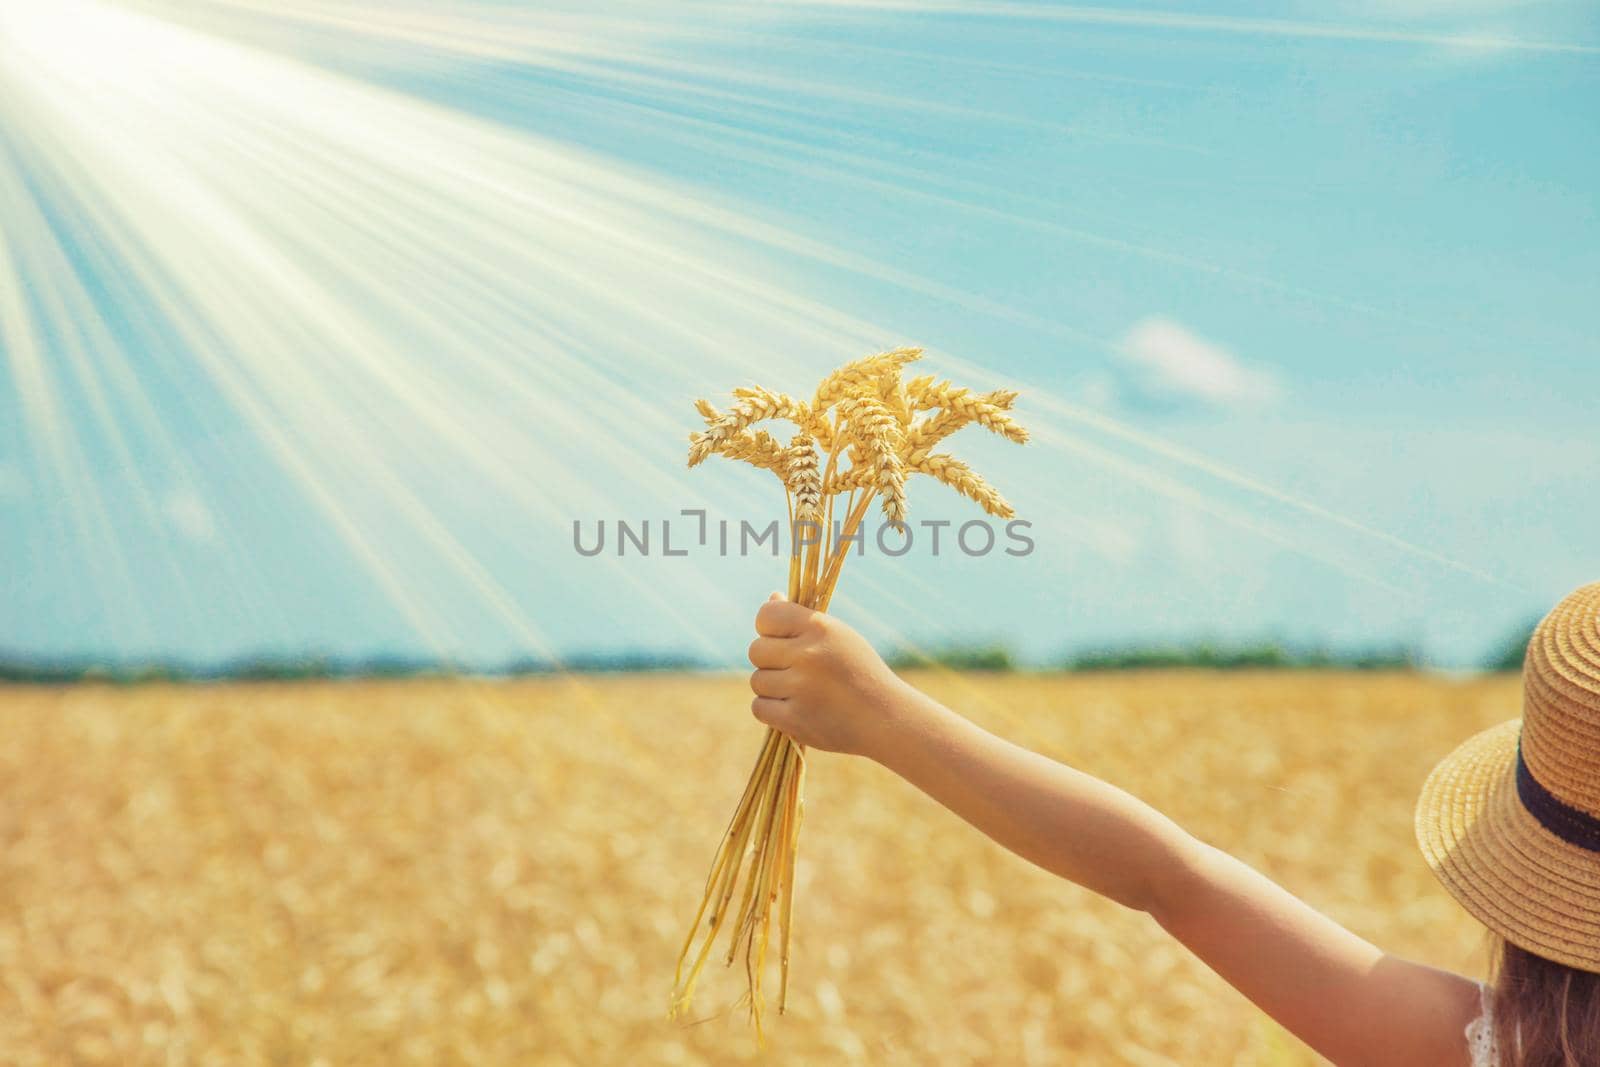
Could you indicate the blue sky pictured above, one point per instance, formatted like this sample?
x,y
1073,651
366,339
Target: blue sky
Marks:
x,y
321,337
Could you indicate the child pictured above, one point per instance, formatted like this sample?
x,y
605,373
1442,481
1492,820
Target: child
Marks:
x,y
1510,823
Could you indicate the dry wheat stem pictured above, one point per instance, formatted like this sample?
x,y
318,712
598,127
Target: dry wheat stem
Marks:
x,y
724,872
796,804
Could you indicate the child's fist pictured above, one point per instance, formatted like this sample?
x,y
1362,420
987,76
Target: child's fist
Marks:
x,y
819,681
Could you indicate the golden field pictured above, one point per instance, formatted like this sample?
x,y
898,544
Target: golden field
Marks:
x,y
459,872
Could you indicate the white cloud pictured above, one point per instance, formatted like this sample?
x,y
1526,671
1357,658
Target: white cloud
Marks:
x,y
1170,363
189,515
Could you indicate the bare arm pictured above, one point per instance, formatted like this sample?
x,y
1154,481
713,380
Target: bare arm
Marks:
x,y
822,684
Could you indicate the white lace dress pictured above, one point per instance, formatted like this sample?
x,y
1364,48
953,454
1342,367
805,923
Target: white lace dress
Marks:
x,y
1480,1033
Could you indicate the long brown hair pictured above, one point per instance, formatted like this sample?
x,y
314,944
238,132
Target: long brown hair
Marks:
x,y
1546,1014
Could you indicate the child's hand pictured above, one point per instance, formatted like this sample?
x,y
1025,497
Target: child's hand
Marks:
x,y
818,681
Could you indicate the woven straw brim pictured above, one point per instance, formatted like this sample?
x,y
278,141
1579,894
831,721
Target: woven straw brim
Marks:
x,y
1521,881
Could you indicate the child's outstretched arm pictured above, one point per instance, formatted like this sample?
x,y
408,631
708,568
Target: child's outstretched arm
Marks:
x,y
820,682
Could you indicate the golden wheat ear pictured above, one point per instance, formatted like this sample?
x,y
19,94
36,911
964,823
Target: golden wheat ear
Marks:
x,y
989,410
964,480
881,437
757,448
861,375
892,391
753,405
803,477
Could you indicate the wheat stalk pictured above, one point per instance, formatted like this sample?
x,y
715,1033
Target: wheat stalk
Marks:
x,y
865,418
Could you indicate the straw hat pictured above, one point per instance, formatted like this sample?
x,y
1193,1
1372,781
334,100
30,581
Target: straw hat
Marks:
x,y
1510,821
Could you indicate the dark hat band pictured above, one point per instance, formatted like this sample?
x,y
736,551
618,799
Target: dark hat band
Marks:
x,y
1554,814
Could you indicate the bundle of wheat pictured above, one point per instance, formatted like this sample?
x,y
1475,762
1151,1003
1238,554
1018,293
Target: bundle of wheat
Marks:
x,y
877,430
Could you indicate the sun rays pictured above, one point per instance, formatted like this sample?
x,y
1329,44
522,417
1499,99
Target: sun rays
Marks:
x,y
385,293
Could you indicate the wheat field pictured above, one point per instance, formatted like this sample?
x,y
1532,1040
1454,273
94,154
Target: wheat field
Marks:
x,y
478,872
